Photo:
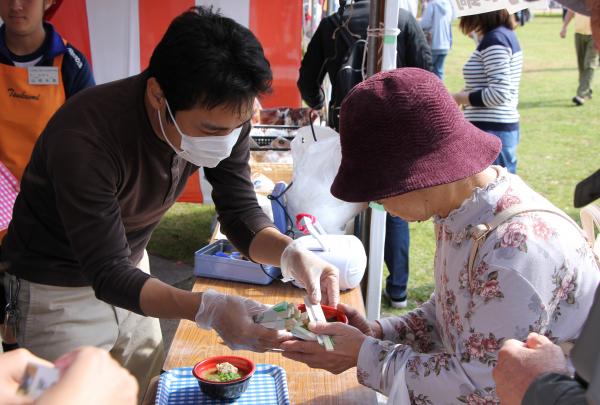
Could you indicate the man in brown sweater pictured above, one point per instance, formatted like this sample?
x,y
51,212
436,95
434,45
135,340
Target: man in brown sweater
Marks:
x,y
108,166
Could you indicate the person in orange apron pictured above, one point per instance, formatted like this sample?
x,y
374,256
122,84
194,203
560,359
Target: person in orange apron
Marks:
x,y
39,70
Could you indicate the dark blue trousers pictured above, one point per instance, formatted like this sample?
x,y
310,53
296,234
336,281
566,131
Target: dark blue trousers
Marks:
x,y
397,241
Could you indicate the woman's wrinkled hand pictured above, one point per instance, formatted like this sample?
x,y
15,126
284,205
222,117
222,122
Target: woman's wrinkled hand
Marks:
x,y
347,341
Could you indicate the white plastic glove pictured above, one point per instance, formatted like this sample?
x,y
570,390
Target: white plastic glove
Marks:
x,y
312,272
231,317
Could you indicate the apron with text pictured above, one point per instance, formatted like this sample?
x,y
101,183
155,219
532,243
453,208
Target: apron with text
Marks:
x,y
25,110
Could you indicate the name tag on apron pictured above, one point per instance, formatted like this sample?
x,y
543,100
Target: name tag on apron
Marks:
x,y
43,75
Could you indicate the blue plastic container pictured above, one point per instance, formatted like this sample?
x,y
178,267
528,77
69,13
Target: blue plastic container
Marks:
x,y
224,267
279,218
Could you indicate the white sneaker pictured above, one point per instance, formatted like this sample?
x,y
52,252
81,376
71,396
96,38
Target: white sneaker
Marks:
x,y
394,303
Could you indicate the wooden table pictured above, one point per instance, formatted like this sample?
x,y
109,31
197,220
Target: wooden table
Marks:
x,y
306,385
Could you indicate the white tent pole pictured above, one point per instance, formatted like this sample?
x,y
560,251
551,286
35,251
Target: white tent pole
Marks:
x,y
375,274
387,37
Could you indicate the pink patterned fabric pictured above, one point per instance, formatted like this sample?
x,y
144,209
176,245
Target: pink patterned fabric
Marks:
x,y
535,273
9,188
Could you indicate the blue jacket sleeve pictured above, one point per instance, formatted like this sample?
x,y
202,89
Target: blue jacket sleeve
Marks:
x,y
76,72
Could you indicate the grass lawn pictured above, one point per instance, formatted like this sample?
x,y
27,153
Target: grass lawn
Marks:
x,y
560,145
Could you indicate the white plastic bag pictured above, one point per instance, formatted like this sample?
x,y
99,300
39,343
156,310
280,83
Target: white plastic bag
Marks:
x,y
346,252
315,167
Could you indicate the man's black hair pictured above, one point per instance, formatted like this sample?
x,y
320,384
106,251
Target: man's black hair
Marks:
x,y
205,59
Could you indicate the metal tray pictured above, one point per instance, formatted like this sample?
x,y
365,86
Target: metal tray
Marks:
x,y
226,268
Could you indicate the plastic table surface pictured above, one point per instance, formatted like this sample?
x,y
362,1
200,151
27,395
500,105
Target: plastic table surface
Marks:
x,y
306,385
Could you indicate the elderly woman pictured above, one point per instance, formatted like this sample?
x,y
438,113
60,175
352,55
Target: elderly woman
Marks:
x,y
406,145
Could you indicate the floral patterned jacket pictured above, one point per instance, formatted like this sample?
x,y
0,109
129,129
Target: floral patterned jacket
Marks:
x,y
534,273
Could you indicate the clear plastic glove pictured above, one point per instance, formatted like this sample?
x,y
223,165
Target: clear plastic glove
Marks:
x,y
232,318
313,273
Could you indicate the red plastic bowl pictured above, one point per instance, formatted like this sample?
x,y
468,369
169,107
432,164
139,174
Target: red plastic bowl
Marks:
x,y
228,389
330,312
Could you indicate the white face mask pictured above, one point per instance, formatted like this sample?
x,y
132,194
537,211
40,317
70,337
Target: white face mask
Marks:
x,y
205,151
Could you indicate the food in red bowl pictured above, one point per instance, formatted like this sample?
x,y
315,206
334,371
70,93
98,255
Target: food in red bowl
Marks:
x,y
331,314
224,377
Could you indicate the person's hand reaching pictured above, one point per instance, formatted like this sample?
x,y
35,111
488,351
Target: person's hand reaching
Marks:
x,y
347,341
520,363
320,278
361,323
12,370
232,318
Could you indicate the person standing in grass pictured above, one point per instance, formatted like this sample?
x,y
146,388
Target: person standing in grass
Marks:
x,y
587,55
492,78
437,24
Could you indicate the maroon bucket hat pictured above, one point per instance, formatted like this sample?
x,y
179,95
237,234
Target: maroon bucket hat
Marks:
x,y
401,131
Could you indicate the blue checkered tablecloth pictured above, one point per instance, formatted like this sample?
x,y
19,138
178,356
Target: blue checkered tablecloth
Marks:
x,y
268,386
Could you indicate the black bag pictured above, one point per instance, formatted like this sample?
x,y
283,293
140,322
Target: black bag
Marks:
x,y
349,74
